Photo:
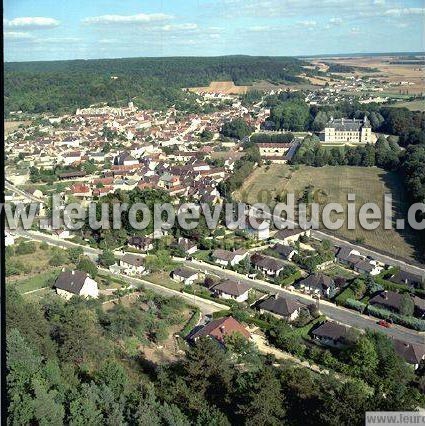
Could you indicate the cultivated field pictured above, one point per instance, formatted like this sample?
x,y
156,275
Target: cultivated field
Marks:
x,y
418,105
332,184
388,72
224,87
10,126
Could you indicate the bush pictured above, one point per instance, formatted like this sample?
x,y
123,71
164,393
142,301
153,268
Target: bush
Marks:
x,y
25,248
58,259
409,322
355,304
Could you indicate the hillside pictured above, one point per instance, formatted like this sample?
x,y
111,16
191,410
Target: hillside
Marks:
x,y
62,86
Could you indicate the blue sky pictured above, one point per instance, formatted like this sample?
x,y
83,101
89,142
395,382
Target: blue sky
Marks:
x,y
52,29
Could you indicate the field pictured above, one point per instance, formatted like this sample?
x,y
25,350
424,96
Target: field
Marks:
x,y
388,72
332,184
11,126
418,105
224,87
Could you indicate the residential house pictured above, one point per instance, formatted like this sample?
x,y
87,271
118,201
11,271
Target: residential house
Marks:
x,y
270,266
229,258
219,329
71,283
290,236
185,275
412,353
258,229
280,307
407,278
331,334
125,159
348,256
133,264
368,267
229,289
284,251
392,301
188,246
141,243
318,284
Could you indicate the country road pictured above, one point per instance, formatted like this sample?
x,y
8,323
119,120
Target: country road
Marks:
x,y
336,313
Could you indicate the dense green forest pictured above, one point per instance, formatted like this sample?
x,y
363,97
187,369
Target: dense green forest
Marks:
x,y
62,86
73,363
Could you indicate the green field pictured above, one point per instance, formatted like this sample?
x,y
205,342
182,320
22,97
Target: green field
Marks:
x,y
418,105
332,184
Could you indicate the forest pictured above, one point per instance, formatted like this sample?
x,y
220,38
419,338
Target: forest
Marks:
x,y
62,86
71,363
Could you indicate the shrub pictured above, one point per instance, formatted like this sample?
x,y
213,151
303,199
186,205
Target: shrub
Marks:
x,y
25,248
355,304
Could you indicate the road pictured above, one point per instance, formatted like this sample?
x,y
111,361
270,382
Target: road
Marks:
x,y
336,313
30,197
207,307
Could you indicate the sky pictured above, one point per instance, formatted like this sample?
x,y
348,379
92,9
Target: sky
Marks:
x,y
86,29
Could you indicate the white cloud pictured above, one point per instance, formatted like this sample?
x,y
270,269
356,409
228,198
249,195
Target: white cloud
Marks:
x,y
405,11
308,24
259,28
17,35
141,18
31,23
180,27
335,21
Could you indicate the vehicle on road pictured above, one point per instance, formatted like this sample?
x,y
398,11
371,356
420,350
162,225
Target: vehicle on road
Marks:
x,y
384,323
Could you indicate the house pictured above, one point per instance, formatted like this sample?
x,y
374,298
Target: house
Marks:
x,y
125,159
226,258
319,284
348,131
229,289
133,264
392,301
268,265
185,275
348,256
288,236
368,267
9,239
260,229
219,329
141,243
412,353
280,307
284,251
71,283
188,246
331,334
407,278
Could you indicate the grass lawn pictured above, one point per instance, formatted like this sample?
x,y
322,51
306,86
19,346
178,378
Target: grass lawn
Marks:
x,y
40,280
339,271
418,105
164,279
332,184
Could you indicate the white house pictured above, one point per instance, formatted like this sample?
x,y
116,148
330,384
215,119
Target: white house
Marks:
x,y
133,264
9,240
226,258
71,283
229,289
280,307
185,275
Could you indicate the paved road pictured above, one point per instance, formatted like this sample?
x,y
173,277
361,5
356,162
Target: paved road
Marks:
x,y
336,313
207,307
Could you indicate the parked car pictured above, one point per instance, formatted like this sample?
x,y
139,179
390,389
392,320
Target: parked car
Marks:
x,y
384,323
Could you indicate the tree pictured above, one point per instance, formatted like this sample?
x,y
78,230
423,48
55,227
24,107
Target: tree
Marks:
x,y
363,357
74,254
407,305
86,265
237,128
265,401
107,258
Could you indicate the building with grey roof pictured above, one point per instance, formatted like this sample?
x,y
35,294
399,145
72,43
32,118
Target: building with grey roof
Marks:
x,y
348,131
